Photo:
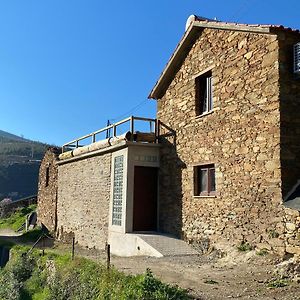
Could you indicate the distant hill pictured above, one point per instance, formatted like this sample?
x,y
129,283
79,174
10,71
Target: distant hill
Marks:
x,y
19,165
13,137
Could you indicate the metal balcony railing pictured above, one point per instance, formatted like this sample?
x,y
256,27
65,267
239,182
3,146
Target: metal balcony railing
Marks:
x,y
111,131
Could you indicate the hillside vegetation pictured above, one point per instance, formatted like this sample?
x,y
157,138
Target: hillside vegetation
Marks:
x,y
19,165
58,277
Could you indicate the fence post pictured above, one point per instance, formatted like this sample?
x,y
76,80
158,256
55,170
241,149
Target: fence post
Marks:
x,y
73,247
108,256
43,245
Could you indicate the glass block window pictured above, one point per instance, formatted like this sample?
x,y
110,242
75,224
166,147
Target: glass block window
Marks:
x,y
118,190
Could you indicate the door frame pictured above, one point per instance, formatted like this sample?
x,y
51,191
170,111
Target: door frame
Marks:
x,y
157,202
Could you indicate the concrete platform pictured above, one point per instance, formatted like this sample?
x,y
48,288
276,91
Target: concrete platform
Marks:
x,y
148,244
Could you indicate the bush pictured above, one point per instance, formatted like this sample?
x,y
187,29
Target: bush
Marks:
x,y
9,286
13,276
57,277
243,247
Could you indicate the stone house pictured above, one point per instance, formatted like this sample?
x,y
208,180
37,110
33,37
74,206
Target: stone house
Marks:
x,y
218,164
231,96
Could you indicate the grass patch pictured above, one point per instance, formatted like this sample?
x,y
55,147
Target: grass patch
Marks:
x,y
17,219
244,247
278,283
273,234
211,281
57,277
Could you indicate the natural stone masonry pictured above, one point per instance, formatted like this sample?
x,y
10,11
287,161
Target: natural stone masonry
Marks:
x,y
47,190
83,206
247,137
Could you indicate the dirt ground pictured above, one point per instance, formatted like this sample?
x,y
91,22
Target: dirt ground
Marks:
x,y
238,275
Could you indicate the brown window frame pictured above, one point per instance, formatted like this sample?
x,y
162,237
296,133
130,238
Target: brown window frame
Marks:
x,y
210,180
204,93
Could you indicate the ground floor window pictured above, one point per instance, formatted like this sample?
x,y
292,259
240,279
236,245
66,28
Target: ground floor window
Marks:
x,y
204,180
118,190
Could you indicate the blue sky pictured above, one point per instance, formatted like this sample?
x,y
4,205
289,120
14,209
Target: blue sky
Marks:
x,y
66,67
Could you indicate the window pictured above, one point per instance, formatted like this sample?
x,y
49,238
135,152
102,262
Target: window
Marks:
x,y
204,180
47,176
204,97
118,190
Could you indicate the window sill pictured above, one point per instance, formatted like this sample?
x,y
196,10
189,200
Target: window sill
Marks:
x,y
205,114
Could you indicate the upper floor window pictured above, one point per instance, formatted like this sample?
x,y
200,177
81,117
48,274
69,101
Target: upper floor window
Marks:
x,y
204,180
204,96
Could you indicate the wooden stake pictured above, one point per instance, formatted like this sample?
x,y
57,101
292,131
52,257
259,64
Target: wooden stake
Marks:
x,y
108,256
73,248
43,245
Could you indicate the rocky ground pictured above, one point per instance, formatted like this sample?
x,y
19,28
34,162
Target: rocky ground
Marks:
x,y
238,275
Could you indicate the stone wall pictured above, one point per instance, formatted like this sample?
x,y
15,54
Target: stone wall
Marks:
x,y
289,112
292,231
47,190
241,137
83,200
8,207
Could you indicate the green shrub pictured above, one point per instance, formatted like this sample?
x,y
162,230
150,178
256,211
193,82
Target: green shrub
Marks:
x,y
243,247
9,286
277,283
21,267
273,234
57,277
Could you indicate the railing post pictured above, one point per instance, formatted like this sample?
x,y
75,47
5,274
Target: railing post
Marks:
x,y
114,130
157,133
94,138
77,143
132,124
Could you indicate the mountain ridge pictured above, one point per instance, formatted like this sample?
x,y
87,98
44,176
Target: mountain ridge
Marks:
x,y
19,165
11,136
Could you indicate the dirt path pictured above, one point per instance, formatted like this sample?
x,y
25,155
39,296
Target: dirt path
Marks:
x,y
214,280
8,233
238,276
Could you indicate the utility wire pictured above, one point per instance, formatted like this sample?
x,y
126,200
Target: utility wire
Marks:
x,y
133,109
245,5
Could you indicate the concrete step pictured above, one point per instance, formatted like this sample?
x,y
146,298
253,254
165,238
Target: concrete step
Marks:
x,y
167,245
148,244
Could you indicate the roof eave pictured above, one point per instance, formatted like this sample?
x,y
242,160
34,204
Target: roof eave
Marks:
x,y
185,45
